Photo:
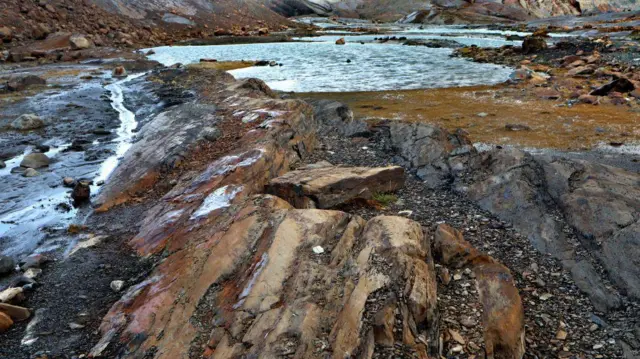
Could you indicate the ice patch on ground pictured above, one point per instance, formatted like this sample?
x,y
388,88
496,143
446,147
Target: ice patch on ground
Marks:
x,y
220,198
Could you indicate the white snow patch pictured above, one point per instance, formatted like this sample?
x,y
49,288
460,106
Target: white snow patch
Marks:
x,y
220,198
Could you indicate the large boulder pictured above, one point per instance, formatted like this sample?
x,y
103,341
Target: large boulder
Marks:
x,y
35,160
27,122
331,186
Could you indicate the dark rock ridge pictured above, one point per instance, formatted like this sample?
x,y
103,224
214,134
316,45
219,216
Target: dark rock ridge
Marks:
x,y
543,197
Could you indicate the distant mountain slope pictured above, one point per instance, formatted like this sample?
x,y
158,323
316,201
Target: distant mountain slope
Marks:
x,y
448,11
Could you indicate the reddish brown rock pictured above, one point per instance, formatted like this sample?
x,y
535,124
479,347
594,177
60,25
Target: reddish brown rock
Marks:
x,y
5,322
451,249
331,186
581,70
588,99
548,94
341,41
533,44
267,274
502,311
503,314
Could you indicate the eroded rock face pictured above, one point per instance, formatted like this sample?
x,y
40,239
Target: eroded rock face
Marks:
x,y
435,154
268,134
255,276
330,186
252,284
336,117
600,202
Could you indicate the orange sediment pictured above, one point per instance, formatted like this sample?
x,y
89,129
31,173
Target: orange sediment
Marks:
x,y
484,111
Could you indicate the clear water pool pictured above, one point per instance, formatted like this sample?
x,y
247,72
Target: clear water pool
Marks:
x,y
322,66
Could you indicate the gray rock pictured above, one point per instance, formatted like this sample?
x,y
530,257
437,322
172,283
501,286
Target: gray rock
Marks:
x,y
336,118
588,280
34,261
7,265
117,285
30,172
600,202
35,160
27,122
2,164
211,134
433,152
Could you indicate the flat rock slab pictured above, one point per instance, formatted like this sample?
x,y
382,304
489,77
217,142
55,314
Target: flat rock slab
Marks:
x,y
330,186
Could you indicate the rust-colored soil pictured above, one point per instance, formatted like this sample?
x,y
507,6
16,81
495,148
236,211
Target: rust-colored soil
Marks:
x,y
553,123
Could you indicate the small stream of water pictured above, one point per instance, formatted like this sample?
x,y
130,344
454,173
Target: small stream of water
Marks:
x,y
38,199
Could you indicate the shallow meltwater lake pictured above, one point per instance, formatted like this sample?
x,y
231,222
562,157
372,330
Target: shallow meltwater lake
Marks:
x,y
319,65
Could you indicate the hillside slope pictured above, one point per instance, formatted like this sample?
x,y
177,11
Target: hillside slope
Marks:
x,y
449,11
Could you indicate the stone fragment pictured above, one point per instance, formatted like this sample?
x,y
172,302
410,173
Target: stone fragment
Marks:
x,y
68,182
119,71
517,127
7,265
620,85
328,187
27,122
16,313
5,322
581,70
34,261
117,285
10,294
30,172
457,337
588,99
81,192
533,44
35,160
341,41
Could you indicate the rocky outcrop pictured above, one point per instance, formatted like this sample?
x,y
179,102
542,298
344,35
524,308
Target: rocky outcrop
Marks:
x,y
255,276
435,154
262,128
331,186
298,282
336,117
503,314
539,194
543,197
